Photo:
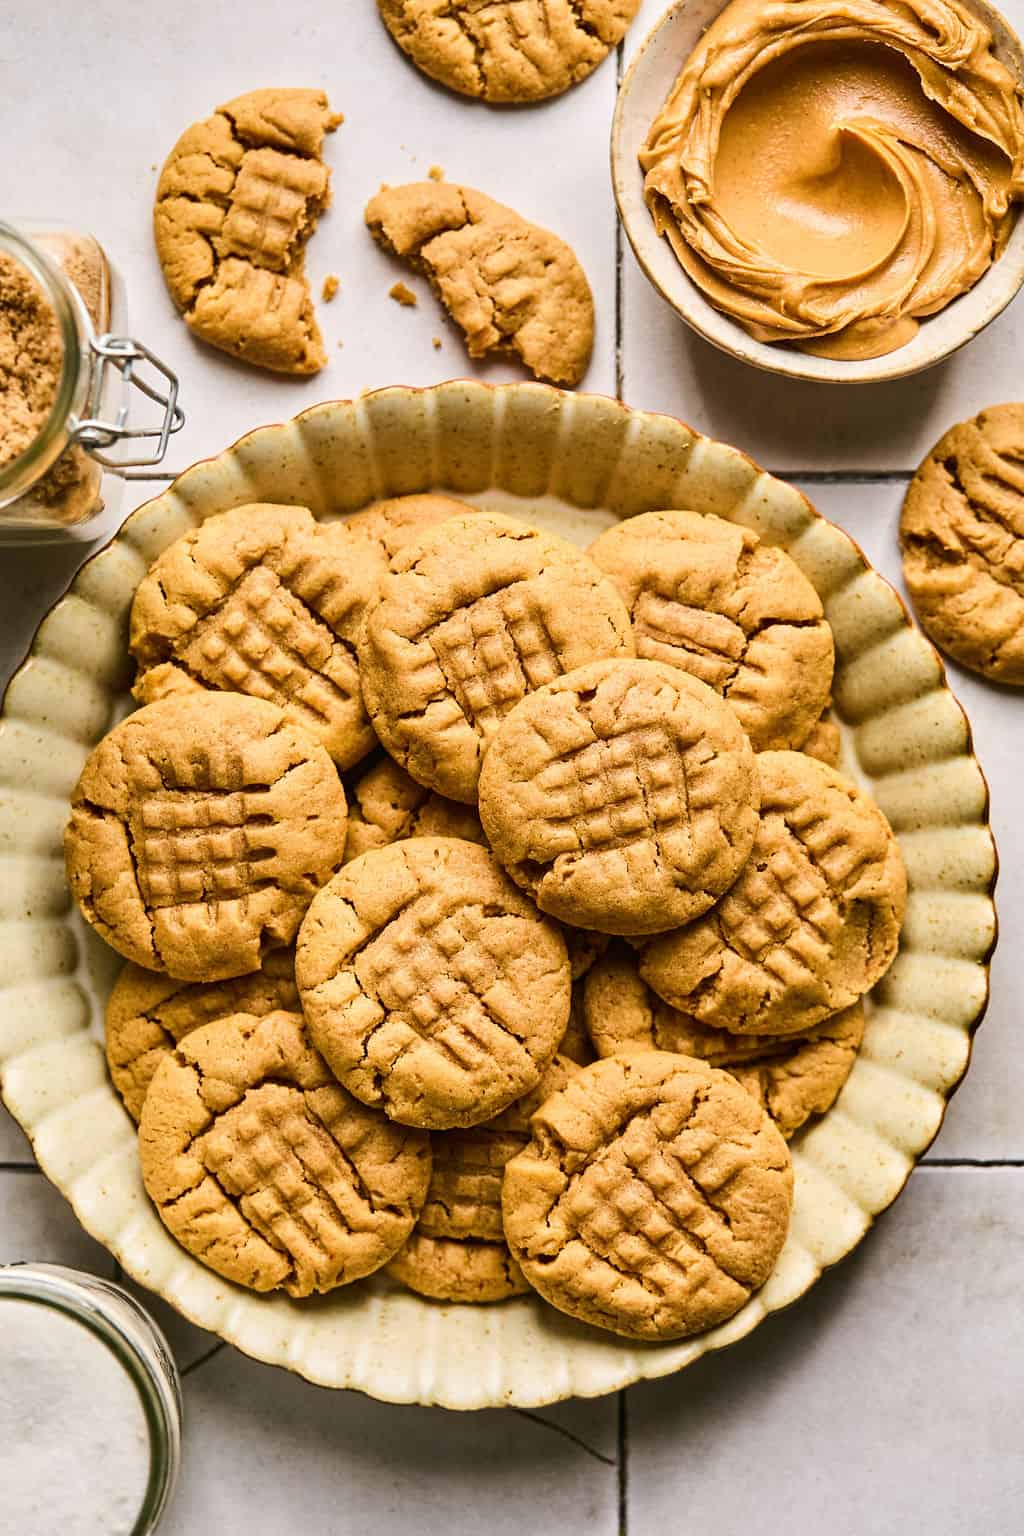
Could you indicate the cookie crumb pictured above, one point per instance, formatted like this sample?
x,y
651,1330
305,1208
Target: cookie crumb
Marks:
x,y
330,288
403,295
436,173
435,342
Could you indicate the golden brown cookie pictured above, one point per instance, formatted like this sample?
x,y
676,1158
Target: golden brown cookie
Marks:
x,y
471,618
653,1199
623,797
200,829
824,741
584,946
507,50
707,596
576,1044
385,527
810,925
147,1014
387,806
237,200
792,1076
449,1269
432,987
511,286
266,1170
262,600
962,535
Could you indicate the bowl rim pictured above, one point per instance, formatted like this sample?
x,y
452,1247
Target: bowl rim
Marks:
x,y
630,1371
994,291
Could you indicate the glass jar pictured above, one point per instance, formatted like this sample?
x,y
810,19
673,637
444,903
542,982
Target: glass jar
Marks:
x,y
55,487
90,1406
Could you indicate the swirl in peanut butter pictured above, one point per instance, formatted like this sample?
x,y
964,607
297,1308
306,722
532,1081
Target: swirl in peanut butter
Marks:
x,y
831,171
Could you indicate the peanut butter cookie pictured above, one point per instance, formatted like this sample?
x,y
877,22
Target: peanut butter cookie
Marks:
x,y
507,50
707,596
471,617
792,1076
810,925
432,987
449,1269
147,1014
200,829
962,535
262,600
623,797
266,1170
388,806
824,741
653,1199
238,198
385,527
576,1044
511,286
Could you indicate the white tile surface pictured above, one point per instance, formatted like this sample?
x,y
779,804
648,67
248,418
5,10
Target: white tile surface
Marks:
x,y
268,1451
791,424
888,1402
984,1119
37,1224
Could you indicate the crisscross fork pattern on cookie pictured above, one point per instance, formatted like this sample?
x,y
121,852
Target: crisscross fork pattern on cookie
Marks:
x,y
618,790
711,646
780,902
494,651
196,845
265,642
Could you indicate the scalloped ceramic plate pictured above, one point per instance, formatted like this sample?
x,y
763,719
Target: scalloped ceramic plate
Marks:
x,y
573,463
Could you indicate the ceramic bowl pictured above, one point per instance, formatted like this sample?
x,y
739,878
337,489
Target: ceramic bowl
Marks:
x,y
573,463
641,96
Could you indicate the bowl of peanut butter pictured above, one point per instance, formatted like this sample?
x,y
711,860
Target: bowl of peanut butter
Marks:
x,y
829,189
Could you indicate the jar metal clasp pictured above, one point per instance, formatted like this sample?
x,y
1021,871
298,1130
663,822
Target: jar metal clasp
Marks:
x,y
140,369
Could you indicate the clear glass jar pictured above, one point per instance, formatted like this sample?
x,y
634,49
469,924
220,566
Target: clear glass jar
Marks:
x,y
55,488
90,1406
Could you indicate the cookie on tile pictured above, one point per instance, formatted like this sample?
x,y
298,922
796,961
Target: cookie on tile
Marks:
x,y
388,806
708,596
511,286
262,600
653,1199
432,987
237,200
266,1170
503,50
622,796
147,1014
792,1076
810,925
962,535
201,827
470,618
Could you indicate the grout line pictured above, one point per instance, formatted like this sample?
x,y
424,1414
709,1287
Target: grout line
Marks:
x,y
971,1162
20,1168
619,375
622,1458
194,1365
846,476
567,1434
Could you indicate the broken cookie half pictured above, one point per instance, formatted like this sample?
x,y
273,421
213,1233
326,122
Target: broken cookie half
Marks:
x,y
238,198
511,286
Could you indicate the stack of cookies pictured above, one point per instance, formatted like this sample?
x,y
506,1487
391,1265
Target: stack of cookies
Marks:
x,y
533,998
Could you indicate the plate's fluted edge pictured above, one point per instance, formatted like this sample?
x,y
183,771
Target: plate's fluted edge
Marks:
x,y
732,466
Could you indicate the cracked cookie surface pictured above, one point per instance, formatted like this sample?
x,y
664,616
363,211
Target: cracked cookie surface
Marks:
x,y
507,50
432,987
810,925
237,200
266,1170
653,1199
962,537
262,600
792,1076
824,741
471,618
147,1014
623,797
385,527
707,596
389,806
450,1269
510,286
201,828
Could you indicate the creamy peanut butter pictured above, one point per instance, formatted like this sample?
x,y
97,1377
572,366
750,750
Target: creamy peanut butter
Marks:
x,y
830,171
